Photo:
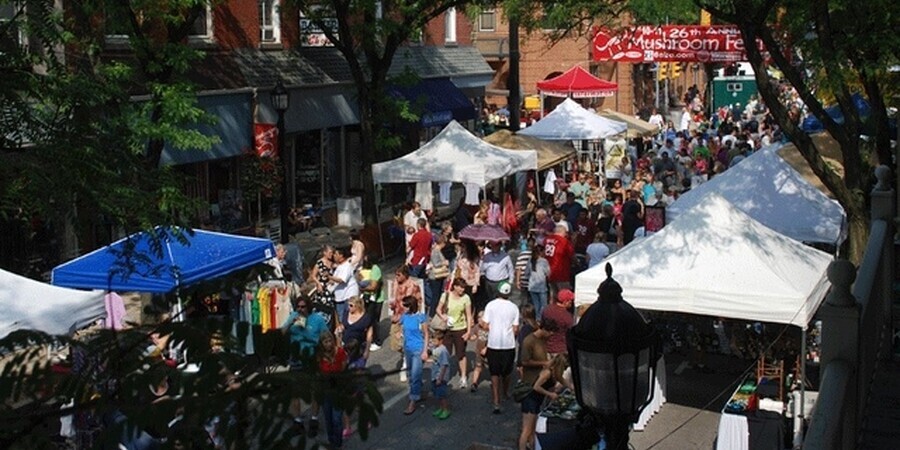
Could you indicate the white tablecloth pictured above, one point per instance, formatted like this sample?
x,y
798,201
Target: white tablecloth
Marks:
x,y
659,396
734,433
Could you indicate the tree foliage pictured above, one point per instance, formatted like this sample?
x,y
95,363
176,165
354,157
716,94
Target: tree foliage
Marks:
x,y
74,146
825,48
109,383
651,12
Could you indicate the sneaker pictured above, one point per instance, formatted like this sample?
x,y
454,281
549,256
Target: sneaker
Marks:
x,y
474,387
497,410
348,432
437,412
298,423
445,413
373,347
313,427
462,383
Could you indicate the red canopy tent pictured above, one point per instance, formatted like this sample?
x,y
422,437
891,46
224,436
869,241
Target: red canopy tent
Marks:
x,y
577,83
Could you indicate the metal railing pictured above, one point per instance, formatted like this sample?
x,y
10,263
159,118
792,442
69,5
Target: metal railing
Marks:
x,y
855,319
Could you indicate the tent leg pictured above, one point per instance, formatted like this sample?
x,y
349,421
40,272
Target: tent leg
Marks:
x,y
378,218
542,105
800,414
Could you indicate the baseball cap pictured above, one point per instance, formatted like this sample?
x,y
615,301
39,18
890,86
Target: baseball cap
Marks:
x,y
504,288
566,295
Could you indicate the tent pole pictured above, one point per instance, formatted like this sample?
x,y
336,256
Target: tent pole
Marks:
x,y
378,217
799,416
542,104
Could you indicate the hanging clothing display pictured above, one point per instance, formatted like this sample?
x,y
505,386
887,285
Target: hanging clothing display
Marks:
x,y
550,182
264,305
444,192
115,311
424,195
472,191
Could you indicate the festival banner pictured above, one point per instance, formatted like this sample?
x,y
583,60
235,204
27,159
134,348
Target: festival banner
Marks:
x,y
671,43
265,139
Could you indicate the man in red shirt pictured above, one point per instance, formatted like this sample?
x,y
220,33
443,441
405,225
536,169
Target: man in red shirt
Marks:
x,y
558,312
559,252
419,249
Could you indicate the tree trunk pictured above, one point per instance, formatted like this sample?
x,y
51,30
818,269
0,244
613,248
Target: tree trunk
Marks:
x,y
858,235
367,142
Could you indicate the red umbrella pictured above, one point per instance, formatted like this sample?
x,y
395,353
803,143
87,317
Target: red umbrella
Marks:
x,y
479,232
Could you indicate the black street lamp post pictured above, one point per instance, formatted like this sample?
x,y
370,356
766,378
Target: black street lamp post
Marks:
x,y
613,352
281,100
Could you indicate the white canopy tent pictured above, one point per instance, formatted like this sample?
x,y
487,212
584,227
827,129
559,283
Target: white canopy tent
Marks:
x,y
570,121
455,155
769,190
32,305
717,261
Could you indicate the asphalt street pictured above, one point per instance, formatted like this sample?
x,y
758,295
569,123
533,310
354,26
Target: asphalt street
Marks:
x,y
688,420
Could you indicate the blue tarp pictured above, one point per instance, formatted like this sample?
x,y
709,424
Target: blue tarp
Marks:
x,y
812,124
130,264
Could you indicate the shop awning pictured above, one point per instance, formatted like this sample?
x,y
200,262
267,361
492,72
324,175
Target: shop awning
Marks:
x,y
437,100
313,108
233,126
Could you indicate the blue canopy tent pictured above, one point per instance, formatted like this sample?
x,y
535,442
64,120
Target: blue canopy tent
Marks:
x,y
142,263
811,124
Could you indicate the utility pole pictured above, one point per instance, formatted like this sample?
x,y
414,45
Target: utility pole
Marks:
x,y
514,100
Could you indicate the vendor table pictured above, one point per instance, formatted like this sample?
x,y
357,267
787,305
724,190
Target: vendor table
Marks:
x,y
750,429
659,396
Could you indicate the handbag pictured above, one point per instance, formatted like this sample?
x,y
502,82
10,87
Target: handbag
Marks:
x,y
396,337
439,323
440,272
521,391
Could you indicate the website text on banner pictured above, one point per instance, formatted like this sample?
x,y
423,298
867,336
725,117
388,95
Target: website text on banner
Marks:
x,y
675,43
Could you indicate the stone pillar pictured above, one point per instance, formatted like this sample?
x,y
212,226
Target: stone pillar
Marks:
x,y
840,315
884,208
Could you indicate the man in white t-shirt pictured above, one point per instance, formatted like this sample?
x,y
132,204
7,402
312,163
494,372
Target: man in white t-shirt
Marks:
x,y
656,119
685,120
501,318
411,219
345,286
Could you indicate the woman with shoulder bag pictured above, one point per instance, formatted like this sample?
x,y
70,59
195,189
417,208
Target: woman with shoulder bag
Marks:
x,y
437,276
456,308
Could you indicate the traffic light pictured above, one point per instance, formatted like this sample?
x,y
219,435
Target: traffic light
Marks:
x,y
674,70
663,71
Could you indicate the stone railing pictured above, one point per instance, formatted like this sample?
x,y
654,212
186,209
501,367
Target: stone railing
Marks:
x,y
855,319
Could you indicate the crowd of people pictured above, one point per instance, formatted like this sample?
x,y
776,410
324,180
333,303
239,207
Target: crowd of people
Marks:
x,y
465,307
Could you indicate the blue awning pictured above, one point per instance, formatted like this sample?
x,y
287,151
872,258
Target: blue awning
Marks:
x,y
233,126
437,100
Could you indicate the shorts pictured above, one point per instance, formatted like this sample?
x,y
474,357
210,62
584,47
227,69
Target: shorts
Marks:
x,y
454,342
532,403
501,362
480,360
440,392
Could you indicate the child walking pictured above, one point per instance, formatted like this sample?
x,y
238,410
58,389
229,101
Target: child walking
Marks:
x,y
440,374
480,338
